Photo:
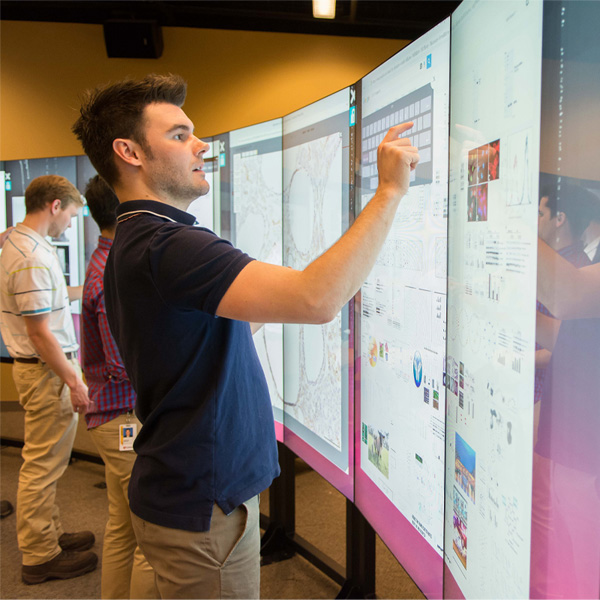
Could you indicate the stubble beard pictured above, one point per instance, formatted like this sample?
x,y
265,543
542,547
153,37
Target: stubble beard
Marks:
x,y
179,193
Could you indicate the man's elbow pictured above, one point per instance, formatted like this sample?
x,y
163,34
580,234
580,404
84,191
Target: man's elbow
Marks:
x,y
321,311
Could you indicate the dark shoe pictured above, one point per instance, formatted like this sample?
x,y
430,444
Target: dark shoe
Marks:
x,y
64,566
6,508
81,540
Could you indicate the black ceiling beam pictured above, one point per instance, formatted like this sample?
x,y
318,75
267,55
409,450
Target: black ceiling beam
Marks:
x,y
392,19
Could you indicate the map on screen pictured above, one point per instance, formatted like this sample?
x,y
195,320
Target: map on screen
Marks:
x,y
403,312
493,203
257,228
315,194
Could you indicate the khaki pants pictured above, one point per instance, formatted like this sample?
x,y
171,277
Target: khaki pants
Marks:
x,y
125,571
50,427
221,563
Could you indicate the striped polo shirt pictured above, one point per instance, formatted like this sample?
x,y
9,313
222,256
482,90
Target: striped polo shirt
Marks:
x,y
32,283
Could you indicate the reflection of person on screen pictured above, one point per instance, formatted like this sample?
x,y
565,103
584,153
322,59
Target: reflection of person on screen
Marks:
x,y
562,219
566,484
201,391
591,236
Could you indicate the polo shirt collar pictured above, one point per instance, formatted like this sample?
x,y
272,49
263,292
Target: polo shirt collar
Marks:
x,y
34,235
158,209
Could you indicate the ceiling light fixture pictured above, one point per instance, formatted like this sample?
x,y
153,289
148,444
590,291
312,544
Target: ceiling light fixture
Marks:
x,y
324,9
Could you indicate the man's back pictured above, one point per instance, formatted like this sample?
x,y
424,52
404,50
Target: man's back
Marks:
x,y
208,430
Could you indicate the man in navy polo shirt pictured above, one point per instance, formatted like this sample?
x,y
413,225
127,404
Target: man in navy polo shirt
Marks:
x,y
182,305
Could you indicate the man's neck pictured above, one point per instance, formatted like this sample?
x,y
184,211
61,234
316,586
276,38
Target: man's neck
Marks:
x,y
108,233
141,192
38,221
563,238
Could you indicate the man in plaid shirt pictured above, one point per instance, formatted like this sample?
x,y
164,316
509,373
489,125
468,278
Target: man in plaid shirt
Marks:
x,y
111,421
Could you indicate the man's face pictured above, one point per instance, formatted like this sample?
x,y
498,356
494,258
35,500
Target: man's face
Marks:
x,y
61,221
546,223
173,155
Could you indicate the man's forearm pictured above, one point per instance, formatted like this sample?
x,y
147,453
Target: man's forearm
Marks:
x,y
338,274
75,292
272,294
52,354
567,292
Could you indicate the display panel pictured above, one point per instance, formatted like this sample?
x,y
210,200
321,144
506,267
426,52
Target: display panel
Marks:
x,y
401,404
257,229
317,373
565,528
493,211
203,208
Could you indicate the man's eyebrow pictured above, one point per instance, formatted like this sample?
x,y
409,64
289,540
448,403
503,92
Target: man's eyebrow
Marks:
x,y
184,127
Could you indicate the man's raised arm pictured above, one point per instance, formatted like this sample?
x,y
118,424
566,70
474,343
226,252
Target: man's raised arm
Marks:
x,y
267,293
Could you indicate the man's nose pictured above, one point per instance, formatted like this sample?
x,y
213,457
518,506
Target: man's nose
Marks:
x,y
201,147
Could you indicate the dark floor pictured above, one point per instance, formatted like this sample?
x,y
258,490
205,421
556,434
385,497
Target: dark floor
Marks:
x,y
320,519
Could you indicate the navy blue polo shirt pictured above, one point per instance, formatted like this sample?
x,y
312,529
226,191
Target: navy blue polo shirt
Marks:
x,y
208,433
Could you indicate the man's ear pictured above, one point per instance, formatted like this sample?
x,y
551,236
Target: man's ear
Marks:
x,y
55,206
127,150
561,218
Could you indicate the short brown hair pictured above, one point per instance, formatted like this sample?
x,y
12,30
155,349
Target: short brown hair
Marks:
x,y
116,111
102,202
47,188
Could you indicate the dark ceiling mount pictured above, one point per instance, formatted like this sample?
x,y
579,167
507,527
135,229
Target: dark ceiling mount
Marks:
x,y
392,19
133,39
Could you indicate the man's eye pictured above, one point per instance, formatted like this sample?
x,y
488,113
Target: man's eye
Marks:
x,y
179,136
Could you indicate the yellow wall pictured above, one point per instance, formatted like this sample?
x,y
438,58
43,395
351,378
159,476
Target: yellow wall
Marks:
x,y
236,78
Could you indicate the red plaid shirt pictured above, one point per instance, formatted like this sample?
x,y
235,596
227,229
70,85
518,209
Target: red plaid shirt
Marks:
x,y
108,384
576,256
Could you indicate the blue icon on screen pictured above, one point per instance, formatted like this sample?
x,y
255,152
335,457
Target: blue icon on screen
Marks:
x,y
418,368
429,61
8,185
222,160
352,116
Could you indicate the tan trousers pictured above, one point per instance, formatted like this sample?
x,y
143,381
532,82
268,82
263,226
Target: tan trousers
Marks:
x,y
125,571
50,427
221,563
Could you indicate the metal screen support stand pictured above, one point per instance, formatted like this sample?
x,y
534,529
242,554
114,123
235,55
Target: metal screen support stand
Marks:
x,y
276,541
360,556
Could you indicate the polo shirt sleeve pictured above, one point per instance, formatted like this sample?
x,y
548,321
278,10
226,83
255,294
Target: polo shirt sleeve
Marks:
x,y
193,268
32,286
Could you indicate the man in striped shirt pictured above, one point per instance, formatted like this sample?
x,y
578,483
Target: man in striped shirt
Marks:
x,y
38,330
125,571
